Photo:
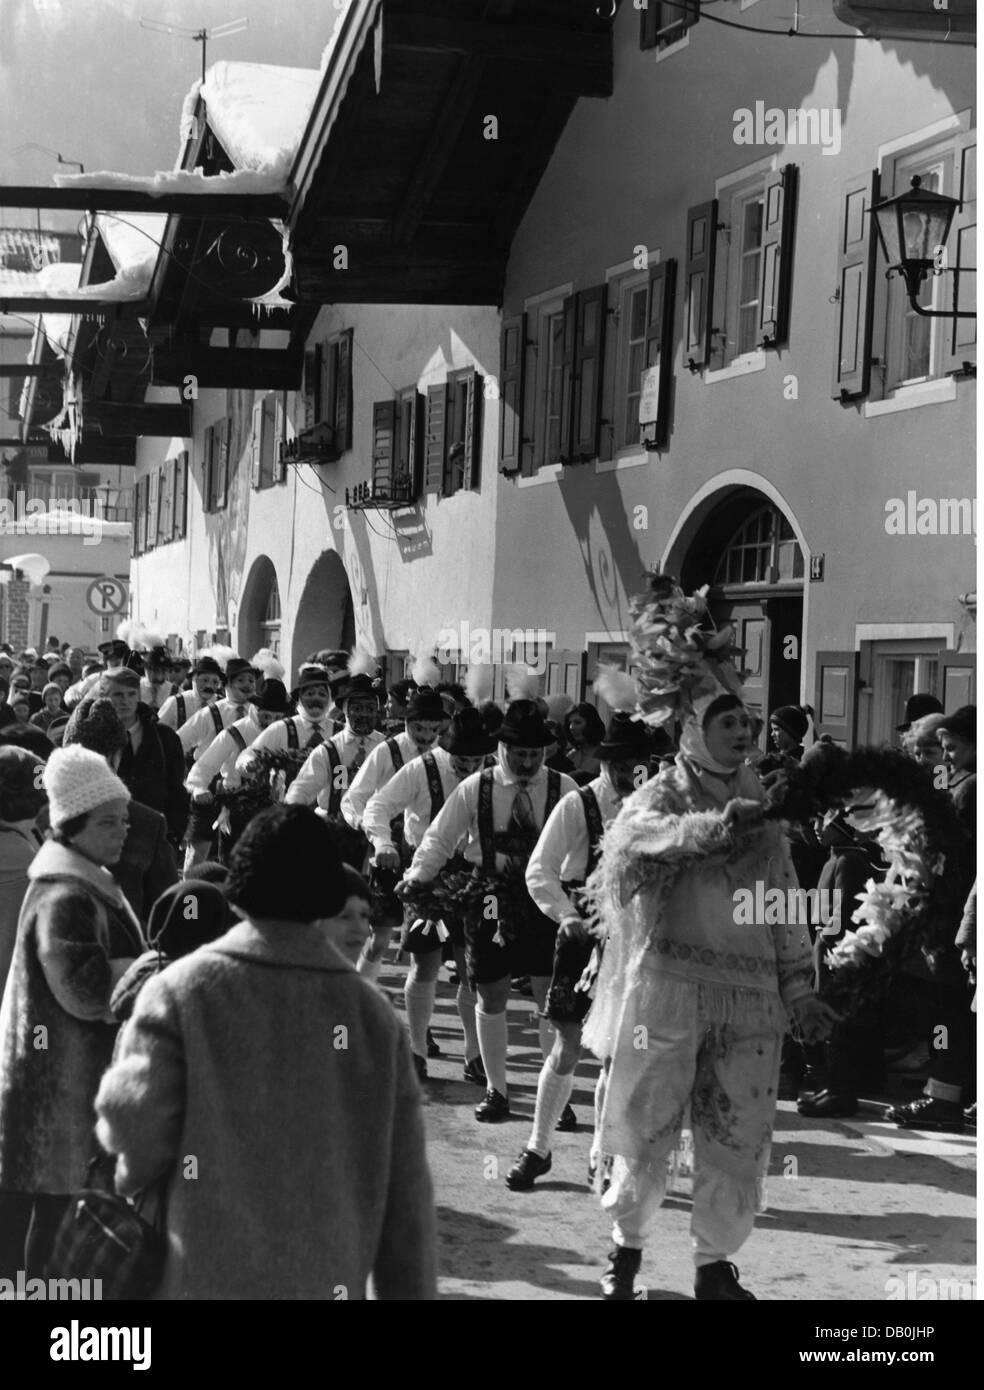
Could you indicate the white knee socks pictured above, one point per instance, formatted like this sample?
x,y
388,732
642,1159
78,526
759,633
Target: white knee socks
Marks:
x,y
493,1036
466,1012
546,1030
553,1091
418,996
369,968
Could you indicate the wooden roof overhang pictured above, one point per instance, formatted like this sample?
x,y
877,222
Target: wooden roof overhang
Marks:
x,y
407,177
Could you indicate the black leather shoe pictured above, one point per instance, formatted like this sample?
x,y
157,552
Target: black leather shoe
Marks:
x,y
432,1048
567,1124
525,1171
493,1108
829,1105
618,1280
928,1113
719,1281
475,1073
420,1067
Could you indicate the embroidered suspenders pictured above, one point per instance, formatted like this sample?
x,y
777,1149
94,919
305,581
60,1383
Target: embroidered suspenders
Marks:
x,y
237,737
182,708
395,753
216,719
292,739
334,791
592,816
492,841
434,785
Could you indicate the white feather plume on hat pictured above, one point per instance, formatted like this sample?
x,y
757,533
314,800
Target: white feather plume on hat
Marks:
x,y
426,671
558,706
362,663
478,683
267,663
522,683
617,688
222,655
131,632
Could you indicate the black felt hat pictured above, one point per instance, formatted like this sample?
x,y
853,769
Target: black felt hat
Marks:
x,y
915,708
469,737
624,738
523,726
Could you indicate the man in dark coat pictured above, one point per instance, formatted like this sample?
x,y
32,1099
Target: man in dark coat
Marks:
x,y
152,762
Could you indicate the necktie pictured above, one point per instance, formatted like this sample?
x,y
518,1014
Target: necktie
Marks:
x,y
316,737
521,817
360,756
240,711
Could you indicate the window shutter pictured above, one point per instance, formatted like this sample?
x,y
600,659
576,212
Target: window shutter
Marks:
x,y
312,387
956,679
567,386
855,287
649,25
256,445
180,496
329,383
512,376
656,18
565,673
165,528
222,465
960,335
208,455
383,446
701,249
343,392
136,547
153,499
284,431
435,437
836,696
659,346
589,346
473,439
778,237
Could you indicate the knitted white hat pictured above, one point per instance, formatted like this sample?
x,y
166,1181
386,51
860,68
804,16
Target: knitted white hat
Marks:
x,y
77,780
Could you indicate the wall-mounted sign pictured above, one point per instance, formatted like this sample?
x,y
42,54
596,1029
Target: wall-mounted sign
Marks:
x,y
649,396
106,596
816,569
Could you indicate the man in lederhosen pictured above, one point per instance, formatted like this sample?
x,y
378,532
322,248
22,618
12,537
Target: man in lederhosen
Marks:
x,y
565,855
418,792
426,719
319,781
498,814
207,680
197,732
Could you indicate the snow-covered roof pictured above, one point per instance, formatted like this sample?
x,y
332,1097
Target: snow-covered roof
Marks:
x,y
176,181
133,240
58,280
259,112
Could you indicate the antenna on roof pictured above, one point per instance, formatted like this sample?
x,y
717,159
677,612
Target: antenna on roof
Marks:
x,y
202,36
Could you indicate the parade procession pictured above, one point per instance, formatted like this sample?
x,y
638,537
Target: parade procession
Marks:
x,y
488,660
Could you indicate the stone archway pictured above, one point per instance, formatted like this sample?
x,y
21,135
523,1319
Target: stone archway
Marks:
x,y
324,616
261,585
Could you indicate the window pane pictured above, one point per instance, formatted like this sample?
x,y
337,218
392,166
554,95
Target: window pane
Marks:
x,y
637,314
752,225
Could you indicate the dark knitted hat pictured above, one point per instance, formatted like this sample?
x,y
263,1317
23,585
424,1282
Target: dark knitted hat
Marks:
x,y
187,915
96,725
22,793
285,866
792,720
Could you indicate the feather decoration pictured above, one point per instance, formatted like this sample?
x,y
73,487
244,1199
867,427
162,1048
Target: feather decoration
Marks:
x,y
130,631
558,706
149,639
478,683
522,683
223,655
266,662
362,663
617,688
426,671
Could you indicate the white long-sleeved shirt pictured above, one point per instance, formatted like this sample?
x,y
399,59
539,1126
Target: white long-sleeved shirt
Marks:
x,y
313,784
274,736
199,731
169,713
408,791
156,696
373,775
458,820
561,853
221,755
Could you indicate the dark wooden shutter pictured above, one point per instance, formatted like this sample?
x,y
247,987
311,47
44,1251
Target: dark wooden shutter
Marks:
x,y
778,236
136,547
208,462
567,388
659,345
512,380
589,347
165,520
960,335
855,287
565,674
153,502
312,387
256,446
328,395
656,17
383,446
472,436
957,673
180,496
649,25
701,251
222,466
343,392
280,439
835,700
435,437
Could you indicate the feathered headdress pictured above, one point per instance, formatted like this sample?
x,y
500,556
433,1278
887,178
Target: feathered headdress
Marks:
x,y
478,683
682,661
617,688
522,683
558,706
426,671
131,632
362,663
267,664
223,655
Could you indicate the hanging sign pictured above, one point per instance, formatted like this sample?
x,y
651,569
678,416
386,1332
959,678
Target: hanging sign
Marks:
x,y
649,396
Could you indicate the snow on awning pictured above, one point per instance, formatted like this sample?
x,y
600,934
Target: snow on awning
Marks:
x,y
259,113
191,181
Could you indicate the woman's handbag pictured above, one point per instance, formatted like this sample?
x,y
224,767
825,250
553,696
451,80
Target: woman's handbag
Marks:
x,y
104,1236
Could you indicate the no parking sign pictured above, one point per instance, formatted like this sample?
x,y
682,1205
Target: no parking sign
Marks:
x,y
106,596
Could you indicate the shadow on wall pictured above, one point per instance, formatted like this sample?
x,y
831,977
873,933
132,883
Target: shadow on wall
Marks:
x,y
614,566
324,616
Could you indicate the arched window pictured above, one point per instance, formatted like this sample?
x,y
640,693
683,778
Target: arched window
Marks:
x,y
764,550
270,623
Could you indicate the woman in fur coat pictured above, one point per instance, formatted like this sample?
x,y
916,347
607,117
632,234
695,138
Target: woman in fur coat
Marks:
x,y
692,1003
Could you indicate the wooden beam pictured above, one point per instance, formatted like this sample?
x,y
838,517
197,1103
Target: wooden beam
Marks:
x,y
270,369
121,418
445,131
11,369
569,59
229,204
57,304
237,314
119,453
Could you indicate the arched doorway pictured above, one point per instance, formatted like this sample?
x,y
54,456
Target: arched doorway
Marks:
x,y
325,617
259,612
746,548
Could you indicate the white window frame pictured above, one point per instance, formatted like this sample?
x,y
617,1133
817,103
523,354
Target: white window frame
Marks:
x,y
539,308
732,191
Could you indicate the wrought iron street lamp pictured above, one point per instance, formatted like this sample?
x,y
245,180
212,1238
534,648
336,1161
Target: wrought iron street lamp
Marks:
x,y
913,228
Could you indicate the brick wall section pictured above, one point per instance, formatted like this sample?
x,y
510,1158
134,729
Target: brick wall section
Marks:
x,y
14,613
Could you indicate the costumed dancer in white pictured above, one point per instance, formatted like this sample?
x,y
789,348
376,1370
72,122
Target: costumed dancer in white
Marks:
x,y
329,768
426,721
310,726
709,998
198,732
565,855
497,814
419,790
155,686
206,679
216,770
